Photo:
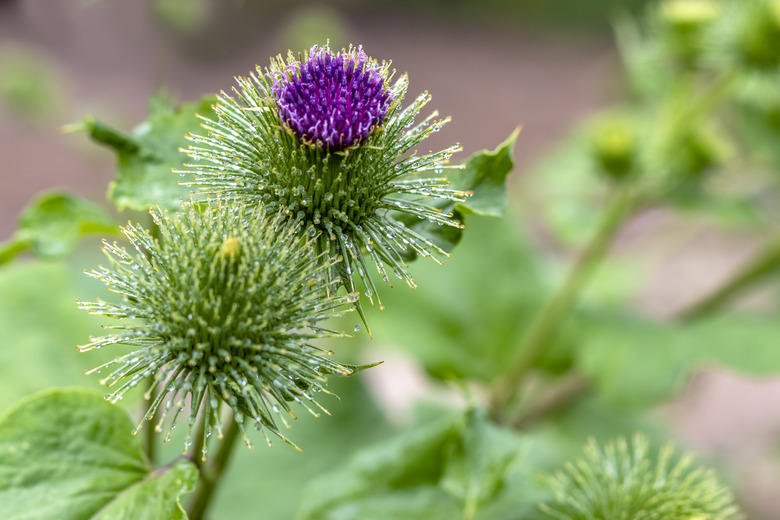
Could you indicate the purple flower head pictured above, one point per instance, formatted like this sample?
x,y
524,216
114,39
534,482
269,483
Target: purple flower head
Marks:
x,y
332,100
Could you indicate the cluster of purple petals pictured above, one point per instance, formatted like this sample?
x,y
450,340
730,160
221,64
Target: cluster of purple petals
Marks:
x,y
332,100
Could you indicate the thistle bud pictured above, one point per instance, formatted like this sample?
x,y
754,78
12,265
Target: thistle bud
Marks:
x,y
687,14
210,335
614,144
692,153
683,26
623,481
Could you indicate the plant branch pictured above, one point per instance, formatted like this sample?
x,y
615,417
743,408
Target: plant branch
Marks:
x,y
543,329
212,473
568,389
767,261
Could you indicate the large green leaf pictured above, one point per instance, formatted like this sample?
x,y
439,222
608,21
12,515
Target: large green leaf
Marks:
x,y
40,326
68,454
449,468
467,318
639,363
52,224
147,155
484,174
155,497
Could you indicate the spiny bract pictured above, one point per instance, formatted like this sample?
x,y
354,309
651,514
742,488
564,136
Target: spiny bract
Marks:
x,y
323,139
622,482
223,307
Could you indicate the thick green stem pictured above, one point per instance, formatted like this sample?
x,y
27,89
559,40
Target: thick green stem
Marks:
x,y
543,329
212,473
766,262
11,248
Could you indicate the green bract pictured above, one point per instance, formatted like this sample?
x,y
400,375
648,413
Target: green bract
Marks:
x,y
351,201
223,308
622,482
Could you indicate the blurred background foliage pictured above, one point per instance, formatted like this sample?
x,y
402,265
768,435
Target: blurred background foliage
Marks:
x,y
687,119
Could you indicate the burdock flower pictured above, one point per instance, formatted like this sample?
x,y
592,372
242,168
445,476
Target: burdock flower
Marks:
x,y
334,102
323,139
224,306
623,481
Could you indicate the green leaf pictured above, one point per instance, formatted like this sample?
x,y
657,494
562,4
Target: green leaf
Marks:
x,y
40,325
68,454
466,319
416,459
637,363
52,224
418,503
156,497
484,174
450,468
634,363
481,461
146,157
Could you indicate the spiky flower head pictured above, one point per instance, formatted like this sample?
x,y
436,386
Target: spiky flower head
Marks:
x,y
223,308
323,139
623,482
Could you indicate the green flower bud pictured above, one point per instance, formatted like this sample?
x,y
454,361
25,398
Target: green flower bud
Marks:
x,y
758,34
623,482
683,24
614,144
692,153
685,14
223,308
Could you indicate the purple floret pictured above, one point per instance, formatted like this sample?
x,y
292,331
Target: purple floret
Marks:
x,y
333,101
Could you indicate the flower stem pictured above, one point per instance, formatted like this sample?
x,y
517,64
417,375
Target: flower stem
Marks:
x,y
765,262
212,473
543,329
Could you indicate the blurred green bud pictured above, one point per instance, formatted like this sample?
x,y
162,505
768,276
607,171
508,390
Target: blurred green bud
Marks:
x,y
773,117
758,35
692,153
689,13
614,143
682,25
